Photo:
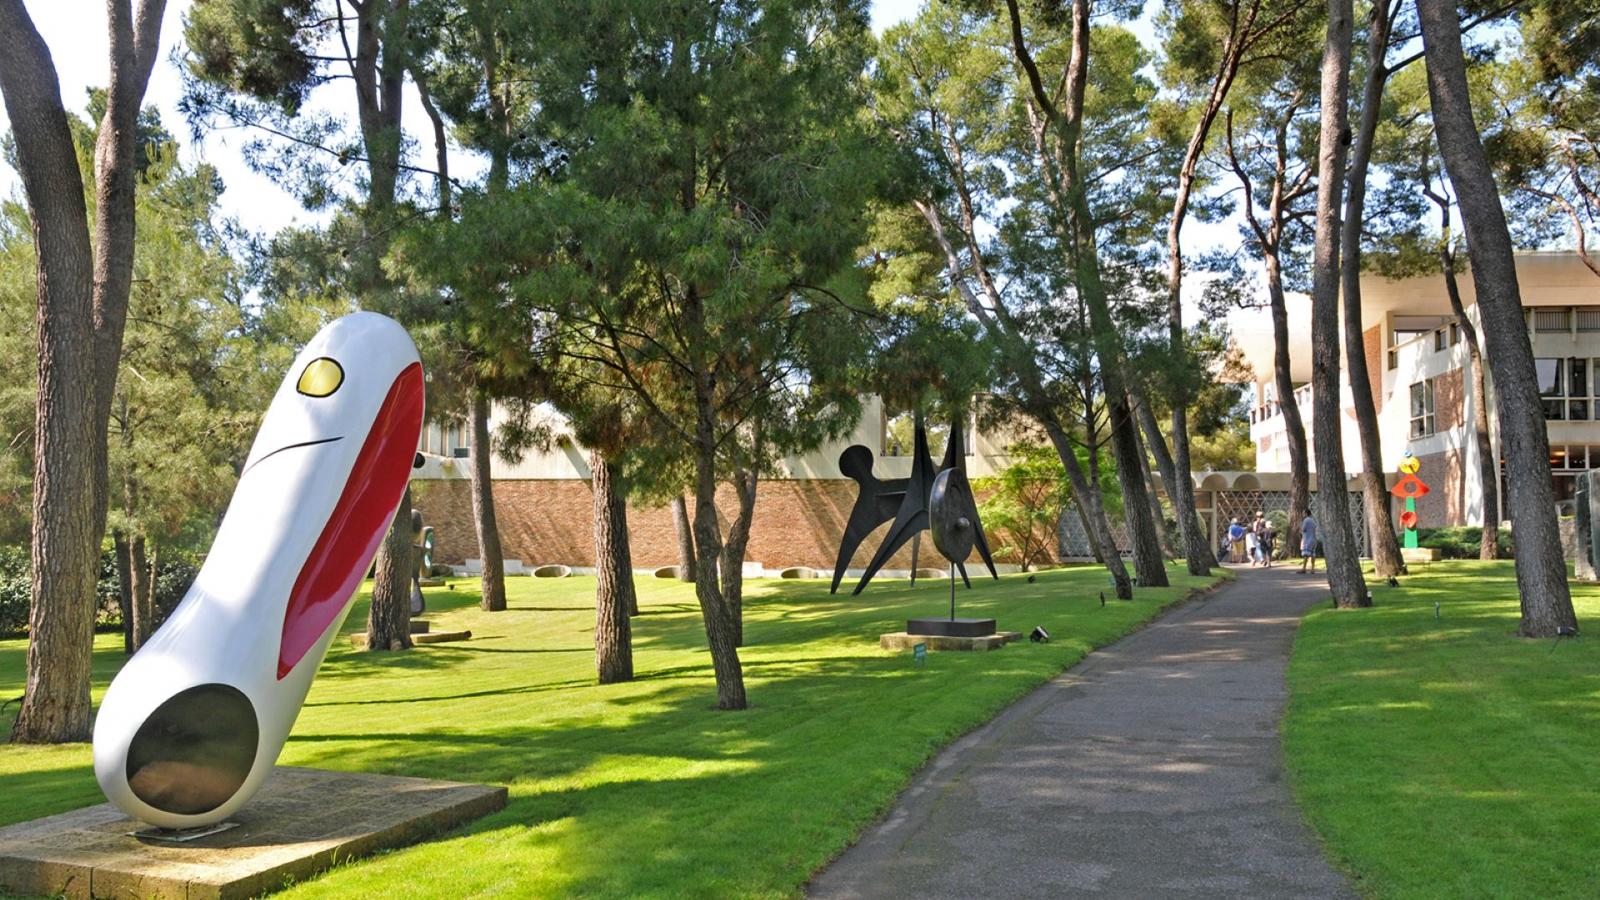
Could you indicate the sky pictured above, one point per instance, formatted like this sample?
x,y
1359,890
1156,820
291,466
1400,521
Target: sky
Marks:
x,y
75,31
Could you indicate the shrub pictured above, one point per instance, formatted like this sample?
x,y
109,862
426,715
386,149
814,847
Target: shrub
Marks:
x,y
174,575
1460,541
14,589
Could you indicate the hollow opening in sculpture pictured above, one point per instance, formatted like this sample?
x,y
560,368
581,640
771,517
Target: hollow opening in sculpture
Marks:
x,y
195,751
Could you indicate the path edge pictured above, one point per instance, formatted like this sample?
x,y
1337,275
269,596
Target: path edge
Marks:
x,y
1002,717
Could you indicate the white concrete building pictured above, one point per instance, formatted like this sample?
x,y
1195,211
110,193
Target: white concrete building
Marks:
x,y
1422,386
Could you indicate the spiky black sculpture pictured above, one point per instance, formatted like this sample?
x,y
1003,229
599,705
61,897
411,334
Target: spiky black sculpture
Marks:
x,y
907,502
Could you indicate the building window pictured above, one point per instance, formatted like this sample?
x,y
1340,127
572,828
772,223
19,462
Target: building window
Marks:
x,y
1440,341
1422,420
1394,359
1566,388
1455,334
1588,319
1550,319
1567,463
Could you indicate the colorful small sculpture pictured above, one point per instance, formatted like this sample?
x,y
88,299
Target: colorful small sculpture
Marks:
x,y
193,724
1409,487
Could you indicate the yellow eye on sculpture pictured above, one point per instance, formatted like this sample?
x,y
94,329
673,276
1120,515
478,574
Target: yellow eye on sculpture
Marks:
x,y
321,378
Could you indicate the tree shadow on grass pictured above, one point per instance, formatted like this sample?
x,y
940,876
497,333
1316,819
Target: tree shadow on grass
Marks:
x,y
769,794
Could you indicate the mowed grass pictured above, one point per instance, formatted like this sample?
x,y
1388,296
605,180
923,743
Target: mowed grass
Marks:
x,y
1447,757
644,788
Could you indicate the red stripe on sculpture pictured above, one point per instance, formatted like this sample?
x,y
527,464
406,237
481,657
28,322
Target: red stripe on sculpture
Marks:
x,y
348,542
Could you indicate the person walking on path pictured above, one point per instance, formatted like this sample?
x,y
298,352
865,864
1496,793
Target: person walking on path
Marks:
x,y
1235,542
1269,537
1308,544
1252,545
1259,529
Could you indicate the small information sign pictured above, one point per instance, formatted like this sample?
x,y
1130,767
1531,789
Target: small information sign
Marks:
x,y
919,653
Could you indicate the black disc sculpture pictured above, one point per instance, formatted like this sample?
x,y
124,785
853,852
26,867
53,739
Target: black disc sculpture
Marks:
x,y
940,500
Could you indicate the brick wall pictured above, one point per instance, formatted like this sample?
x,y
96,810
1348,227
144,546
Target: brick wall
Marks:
x,y
1372,343
797,523
1445,475
1447,406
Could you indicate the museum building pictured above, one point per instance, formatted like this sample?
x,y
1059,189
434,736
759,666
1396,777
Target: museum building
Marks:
x,y
544,505
1422,385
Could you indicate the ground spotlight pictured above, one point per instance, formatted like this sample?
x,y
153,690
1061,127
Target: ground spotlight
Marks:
x,y
1039,635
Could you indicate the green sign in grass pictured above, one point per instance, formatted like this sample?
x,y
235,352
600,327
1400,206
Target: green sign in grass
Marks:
x,y
919,653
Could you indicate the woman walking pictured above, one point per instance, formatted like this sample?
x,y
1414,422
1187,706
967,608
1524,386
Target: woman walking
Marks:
x,y
1308,544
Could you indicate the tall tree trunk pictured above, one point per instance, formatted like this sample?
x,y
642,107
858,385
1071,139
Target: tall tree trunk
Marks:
x,y
720,639
1338,537
744,485
1088,529
389,618
1488,462
1096,527
1488,465
1148,563
1197,549
125,588
613,632
680,522
1541,570
1074,224
494,566
1386,559
133,45
1164,463
1035,399
379,77
1293,428
1153,494
55,705
142,574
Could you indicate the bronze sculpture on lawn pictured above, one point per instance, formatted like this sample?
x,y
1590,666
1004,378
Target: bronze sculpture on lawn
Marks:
x,y
939,499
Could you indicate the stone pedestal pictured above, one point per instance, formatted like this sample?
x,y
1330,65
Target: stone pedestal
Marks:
x,y
1419,554
901,640
302,823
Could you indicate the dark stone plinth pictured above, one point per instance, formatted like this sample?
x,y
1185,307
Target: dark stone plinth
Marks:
x,y
302,823
946,627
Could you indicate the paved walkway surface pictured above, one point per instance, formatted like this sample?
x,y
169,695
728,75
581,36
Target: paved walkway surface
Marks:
x,y
1152,769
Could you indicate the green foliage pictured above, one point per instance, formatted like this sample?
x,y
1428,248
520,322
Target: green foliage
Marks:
x,y
638,789
18,372
1445,756
174,574
15,587
1461,541
190,390
1023,503
691,264
264,48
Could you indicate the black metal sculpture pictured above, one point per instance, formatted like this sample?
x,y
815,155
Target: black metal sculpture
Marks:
x,y
907,501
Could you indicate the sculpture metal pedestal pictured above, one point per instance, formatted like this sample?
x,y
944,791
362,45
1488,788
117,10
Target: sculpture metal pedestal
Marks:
x,y
951,627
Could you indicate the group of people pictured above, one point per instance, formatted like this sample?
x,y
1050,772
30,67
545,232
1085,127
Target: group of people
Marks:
x,y
1254,543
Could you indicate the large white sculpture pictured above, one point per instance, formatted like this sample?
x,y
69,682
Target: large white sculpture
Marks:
x,y
193,724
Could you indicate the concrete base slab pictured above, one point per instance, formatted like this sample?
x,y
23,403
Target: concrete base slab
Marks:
x,y
1419,554
902,640
359,639
302,823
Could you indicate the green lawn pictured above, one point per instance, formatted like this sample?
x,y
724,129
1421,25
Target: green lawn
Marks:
x,y
1446,757
644,789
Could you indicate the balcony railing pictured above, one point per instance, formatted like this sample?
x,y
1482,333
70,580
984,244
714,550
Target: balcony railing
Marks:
x,y
1302,400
